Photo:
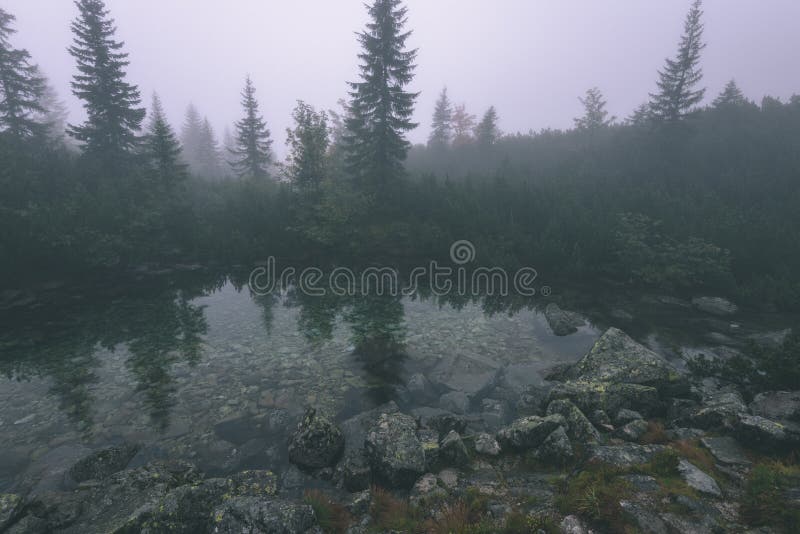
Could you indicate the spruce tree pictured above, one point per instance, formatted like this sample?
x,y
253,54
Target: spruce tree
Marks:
x,y
111,103
162,148
192,138
380,107
21,87
252,154
442,124
730,96
308,145
595,116
487,132
463,125
53,115
208,152
678,94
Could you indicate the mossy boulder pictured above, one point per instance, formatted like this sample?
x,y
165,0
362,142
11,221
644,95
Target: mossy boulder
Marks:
x,y
317,442
529,432
394,451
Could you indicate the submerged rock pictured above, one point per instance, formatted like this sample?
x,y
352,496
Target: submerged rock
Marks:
x,y
697,479
455,401
394,451
316,443
103,463
715,305
562,323
440,420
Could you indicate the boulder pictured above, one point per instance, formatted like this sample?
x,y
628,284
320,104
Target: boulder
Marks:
x,y
486,444
632,431
572,524
697,479
556,448
715,305
394,452
452,450
10,507
627,455
103,463
720,410
616,358
529,432
421,389
625,416
494,413
316,443
455,401
590,395
726,450
263,516
766,435
771,340
578,426
777,405
562,323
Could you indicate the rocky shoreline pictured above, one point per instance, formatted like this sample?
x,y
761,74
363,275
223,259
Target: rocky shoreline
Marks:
x,y
621,441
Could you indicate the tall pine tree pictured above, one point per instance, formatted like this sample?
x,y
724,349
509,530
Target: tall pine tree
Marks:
x,y
380,107
730,96
487,132
308,146
252,154
442,124
21,87
112,104
595,116
163,149
678,94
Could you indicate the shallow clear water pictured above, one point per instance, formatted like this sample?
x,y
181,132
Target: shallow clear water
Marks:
x,y
201,369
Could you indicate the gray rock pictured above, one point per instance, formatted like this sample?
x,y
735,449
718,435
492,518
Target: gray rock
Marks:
x,y
455,401
725,450
494,413
452,450
556,448
562,323
440,420
643,483
589,395
632,431
317,442
627,455
720,410
529,432
715,305
10,507
572,524
394,452
644,518
764,434
355,473
449,477
486,444
430,444
103,463
616,358
625,416
777,405
697,479
255,515
771,340
421,389
578,426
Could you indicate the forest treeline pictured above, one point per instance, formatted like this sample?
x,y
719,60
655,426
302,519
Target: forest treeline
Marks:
x,y
679,196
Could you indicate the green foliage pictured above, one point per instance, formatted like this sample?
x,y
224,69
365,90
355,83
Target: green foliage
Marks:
x,y
486,132
595,494
441,125
765,502
380,107
595,115
111,103
306,164
759,369
651,258
252,152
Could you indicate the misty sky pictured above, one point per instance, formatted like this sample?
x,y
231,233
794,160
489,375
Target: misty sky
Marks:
x,y
530,58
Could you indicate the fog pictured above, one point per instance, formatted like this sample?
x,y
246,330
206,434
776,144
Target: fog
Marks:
x,y
531,59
